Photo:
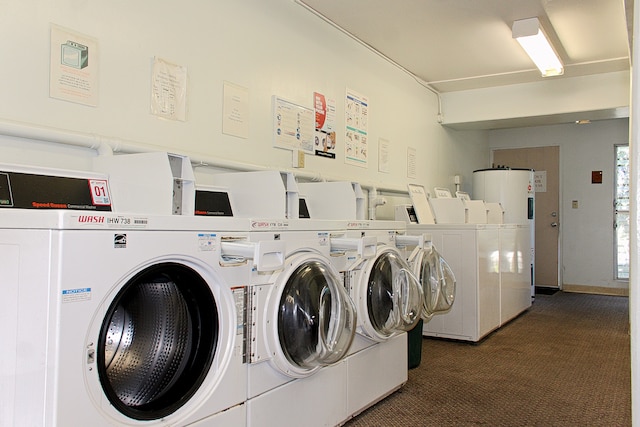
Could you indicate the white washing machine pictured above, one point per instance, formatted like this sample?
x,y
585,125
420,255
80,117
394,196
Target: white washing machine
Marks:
x,y
472,251
515,270
387,294
389,300
302,325
117,319
301,319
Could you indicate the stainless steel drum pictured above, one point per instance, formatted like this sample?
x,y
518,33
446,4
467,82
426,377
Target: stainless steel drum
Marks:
x,y
157,341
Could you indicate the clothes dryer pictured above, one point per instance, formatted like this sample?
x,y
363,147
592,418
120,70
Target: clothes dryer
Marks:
x,y
123,319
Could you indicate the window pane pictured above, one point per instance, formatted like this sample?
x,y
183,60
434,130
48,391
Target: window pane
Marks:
x,y
622,212
622,178
622,240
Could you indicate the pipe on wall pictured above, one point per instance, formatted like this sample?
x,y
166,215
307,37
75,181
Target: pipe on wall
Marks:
x,y
107,146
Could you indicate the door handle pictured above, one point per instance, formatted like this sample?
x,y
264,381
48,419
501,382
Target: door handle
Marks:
x,y
554,224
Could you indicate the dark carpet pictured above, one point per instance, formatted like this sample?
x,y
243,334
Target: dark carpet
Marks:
x,y
563,362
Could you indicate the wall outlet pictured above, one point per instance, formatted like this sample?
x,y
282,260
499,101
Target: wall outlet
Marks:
x,y
574,204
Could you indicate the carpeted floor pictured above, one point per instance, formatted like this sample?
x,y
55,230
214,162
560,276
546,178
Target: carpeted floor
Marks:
x,y
564,362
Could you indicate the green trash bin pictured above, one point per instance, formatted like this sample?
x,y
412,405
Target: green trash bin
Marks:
x,y
414,344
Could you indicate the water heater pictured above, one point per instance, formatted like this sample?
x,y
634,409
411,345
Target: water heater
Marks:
x,y
512,188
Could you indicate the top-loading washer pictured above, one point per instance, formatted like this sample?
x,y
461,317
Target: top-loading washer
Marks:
x,y
472,253
124,319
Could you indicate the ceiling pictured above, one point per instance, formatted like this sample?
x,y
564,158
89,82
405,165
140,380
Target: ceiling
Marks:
x,y
455,45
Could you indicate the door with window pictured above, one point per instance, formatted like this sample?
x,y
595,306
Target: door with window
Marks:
x,y
546,162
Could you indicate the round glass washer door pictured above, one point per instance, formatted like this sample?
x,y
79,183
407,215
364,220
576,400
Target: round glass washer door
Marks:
x,y
435,273
419,261
315,319
389,295
157,341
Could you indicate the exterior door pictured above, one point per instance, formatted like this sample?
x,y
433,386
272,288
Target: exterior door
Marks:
x,y
546,162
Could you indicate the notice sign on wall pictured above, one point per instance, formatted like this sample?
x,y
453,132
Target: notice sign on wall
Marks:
x,y
356,134
293,126
73,67
168,90
540,181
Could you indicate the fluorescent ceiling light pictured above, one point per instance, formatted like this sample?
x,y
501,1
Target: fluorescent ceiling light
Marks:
x,y
534,41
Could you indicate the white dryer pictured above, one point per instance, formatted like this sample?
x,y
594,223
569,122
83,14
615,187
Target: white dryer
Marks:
x,y
122,319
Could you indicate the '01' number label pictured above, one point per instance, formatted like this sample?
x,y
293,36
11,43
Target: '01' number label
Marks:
x,y
99,192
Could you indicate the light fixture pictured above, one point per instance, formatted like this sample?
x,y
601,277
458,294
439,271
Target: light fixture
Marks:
x,y
534,41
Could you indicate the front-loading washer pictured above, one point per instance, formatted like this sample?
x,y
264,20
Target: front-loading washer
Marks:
x,y
302,323
301,319
123,319
389,299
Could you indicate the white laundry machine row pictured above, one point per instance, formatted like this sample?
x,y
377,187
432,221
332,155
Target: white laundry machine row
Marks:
x,y
371,274
326,353
478,254
472,252
122,319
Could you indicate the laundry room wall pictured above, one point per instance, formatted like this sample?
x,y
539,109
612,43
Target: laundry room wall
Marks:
x,y
586,232
268,48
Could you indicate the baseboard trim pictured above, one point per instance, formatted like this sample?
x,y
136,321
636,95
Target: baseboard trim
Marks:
x,y
599,290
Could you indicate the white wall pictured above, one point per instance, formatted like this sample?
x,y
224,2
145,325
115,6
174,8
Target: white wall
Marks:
x,y
586,232
271,47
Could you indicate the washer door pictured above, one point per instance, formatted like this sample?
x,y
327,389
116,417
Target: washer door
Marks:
x,y
315,319
430,286
157,341
390,297
436,273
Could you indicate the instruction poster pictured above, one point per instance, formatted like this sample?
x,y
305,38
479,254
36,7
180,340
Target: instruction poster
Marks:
x,y
73,67
168,90
325,135
293,126
357,122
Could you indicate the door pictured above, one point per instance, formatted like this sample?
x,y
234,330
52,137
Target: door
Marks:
x,y
315,318
388,294
546,162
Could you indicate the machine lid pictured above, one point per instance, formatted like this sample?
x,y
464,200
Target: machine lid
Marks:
x,y
392,299
157,341
315,317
